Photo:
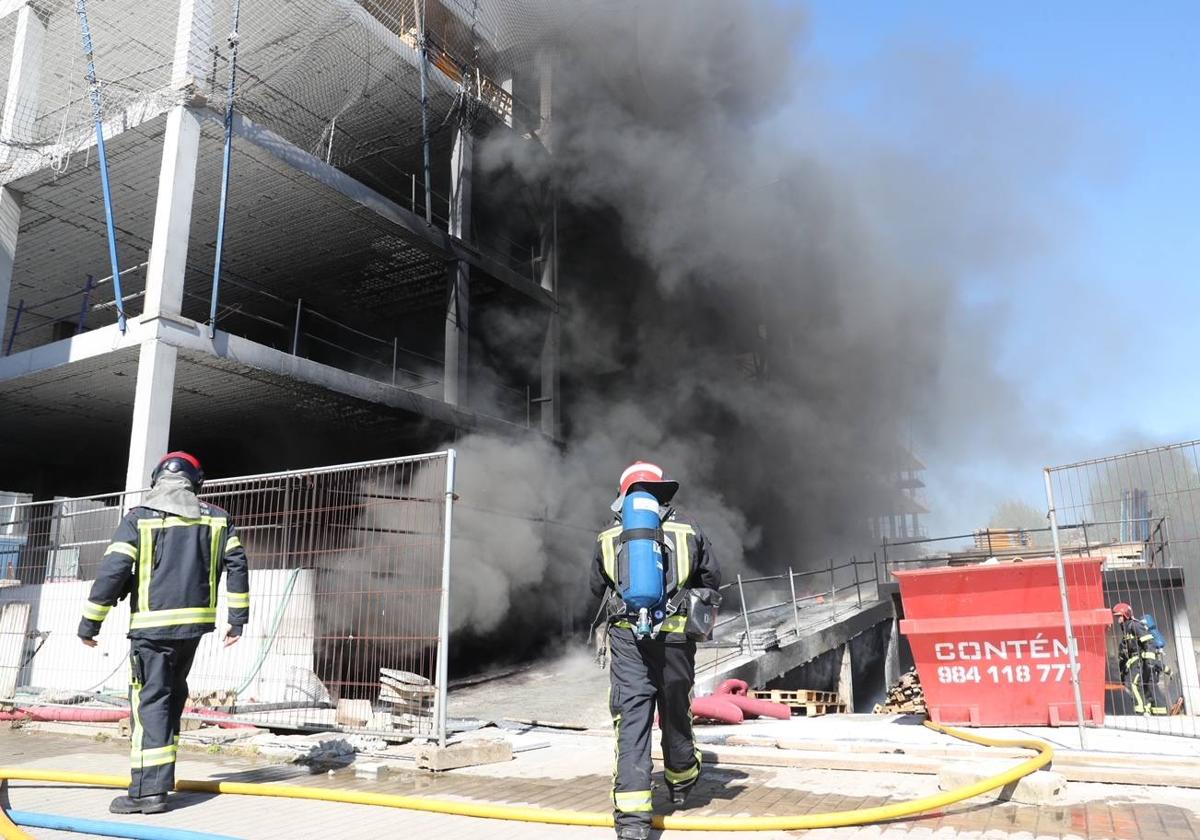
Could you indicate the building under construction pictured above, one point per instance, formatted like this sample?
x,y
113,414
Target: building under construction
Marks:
x,y
255,229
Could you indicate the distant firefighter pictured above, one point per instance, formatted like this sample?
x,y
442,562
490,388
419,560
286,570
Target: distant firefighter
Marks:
x,y
167,555
1140,661
660,578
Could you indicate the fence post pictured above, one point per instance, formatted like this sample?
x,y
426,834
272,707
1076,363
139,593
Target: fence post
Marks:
x,y
857,586
443,656
296,329
795,606
886,570
395,351
745,615
832,587
1066,608
988,531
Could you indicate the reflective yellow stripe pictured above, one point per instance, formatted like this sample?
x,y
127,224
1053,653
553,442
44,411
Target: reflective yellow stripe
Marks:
x,y
683,554
232,543
238,600
632,801
172,618
682,777
1146,638
608,548
145,561
153,757
122,548
673,624
95,612
135,700
214,562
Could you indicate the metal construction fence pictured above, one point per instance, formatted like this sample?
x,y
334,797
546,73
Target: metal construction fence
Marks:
x,y
349,600
1138,513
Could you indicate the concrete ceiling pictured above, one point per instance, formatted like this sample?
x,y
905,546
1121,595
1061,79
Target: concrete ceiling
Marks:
x,y
287,238
243,419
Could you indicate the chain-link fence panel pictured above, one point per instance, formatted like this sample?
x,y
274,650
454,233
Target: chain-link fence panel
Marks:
x,y
1139,514
348,620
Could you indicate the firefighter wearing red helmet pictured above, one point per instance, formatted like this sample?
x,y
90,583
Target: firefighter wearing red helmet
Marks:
x,y
1139,662
167,555
655,671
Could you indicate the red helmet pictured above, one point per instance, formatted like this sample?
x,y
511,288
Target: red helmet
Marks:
x,y
180,463
650,476
1124,611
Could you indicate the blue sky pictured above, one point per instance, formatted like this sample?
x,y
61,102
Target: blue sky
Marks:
x,y
1101,331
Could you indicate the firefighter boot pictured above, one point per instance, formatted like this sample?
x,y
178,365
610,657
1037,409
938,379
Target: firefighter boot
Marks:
x,y
139,804
634,832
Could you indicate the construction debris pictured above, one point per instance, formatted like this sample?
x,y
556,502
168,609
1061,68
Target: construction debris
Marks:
x,y
906,697
407,693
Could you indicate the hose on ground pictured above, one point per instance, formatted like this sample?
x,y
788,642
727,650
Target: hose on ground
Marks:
x,y
799,822
107,828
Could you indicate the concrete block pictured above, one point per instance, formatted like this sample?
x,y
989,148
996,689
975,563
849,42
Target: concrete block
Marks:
x,y
1043,787
433,757
370,769
354,712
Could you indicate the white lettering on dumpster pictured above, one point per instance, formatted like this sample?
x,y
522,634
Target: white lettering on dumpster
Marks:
x,y
1039,647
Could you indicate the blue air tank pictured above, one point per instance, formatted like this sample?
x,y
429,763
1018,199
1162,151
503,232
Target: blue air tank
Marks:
x,y
643,589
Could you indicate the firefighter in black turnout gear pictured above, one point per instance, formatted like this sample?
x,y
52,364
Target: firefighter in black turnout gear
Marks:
x,y
167,555
1140,662
656,671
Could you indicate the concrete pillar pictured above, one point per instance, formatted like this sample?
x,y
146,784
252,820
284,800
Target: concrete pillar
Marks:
x,y
193,45
10,221
173,214
551,408
151,412
845,689
16,126
21,98
458,307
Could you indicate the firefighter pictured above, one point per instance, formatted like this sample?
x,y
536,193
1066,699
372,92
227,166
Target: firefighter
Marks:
x,y
1140,662
167,555
656,671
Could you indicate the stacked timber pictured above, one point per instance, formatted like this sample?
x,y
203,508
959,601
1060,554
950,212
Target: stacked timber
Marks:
x,y
407,693
906,697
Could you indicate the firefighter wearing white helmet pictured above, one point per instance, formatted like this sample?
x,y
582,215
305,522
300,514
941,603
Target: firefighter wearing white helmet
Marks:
x,y
655,669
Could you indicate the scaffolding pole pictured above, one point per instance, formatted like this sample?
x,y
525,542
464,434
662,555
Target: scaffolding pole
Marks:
x,y
89,53
227,157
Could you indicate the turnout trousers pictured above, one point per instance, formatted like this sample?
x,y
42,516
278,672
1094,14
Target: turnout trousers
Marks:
x,y
1142,679
158,692
646,675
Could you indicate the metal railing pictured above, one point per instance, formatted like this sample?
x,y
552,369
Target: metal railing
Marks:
x,y
821,587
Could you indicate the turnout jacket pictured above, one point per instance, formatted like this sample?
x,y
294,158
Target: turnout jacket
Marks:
x,y
169,566
1137,646
690,564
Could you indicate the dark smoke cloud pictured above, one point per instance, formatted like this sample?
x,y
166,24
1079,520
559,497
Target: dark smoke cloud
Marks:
x,y
759,295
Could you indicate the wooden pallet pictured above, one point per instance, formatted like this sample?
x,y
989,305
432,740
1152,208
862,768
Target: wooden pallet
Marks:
x,y
809,703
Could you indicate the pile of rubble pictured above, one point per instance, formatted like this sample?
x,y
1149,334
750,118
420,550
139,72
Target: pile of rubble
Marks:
x,y
906,697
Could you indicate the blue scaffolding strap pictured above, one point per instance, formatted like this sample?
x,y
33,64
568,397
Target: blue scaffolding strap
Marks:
x,y
98,116
215,298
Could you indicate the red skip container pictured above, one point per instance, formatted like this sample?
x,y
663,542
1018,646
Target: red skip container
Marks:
x,y
990,645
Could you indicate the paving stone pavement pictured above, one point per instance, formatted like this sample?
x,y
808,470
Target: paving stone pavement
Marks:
x,y
543,778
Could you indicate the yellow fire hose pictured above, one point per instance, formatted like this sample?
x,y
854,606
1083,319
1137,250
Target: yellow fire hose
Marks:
x,y
865,816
